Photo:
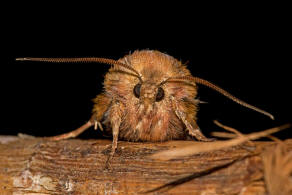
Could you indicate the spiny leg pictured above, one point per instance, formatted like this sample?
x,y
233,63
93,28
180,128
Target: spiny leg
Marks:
x,y
194,130
93,121
115,119
73,133
191,125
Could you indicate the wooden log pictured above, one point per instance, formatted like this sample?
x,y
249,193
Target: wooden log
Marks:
x,y
38,166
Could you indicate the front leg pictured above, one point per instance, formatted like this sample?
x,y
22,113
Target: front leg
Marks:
x,y
190,123
115,120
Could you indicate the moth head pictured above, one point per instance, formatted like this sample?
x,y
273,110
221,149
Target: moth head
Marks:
x,y
148,94
148,91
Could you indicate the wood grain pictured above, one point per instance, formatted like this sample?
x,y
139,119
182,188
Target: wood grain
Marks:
x,y
37,166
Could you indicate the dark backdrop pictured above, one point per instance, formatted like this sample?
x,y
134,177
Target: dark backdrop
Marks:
x,y
247,52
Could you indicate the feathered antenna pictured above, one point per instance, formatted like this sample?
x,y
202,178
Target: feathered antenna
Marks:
x,y
83,60
218,89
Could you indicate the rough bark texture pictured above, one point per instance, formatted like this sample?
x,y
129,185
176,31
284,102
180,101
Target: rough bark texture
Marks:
x,y
37,166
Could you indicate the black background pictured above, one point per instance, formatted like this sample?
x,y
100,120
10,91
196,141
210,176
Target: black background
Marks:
x,y
245,49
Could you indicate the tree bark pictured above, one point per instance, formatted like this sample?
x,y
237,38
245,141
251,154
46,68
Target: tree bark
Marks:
x,y
38,166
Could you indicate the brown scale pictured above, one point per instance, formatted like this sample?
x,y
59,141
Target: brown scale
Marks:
x,y
148,96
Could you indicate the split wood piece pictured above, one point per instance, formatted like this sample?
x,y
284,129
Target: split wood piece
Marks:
x,y
39,166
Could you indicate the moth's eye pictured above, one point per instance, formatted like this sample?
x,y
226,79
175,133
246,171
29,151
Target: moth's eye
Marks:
x,y
160,94
136,90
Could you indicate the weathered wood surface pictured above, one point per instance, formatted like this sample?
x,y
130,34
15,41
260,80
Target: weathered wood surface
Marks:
x,y
37,166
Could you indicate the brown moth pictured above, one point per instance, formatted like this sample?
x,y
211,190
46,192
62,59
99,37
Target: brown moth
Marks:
x,y
148,96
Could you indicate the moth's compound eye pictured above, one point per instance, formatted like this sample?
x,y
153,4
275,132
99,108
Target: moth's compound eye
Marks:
x,y
136,90
160,94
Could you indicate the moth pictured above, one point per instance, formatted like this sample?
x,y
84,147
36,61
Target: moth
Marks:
x,y
148,96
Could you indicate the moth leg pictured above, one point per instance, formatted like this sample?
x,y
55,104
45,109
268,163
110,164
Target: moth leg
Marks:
x,y
195,131
71,134
191,125
115,120
102,102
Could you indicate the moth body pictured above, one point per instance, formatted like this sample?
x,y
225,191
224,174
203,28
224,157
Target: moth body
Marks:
x,y
147,113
